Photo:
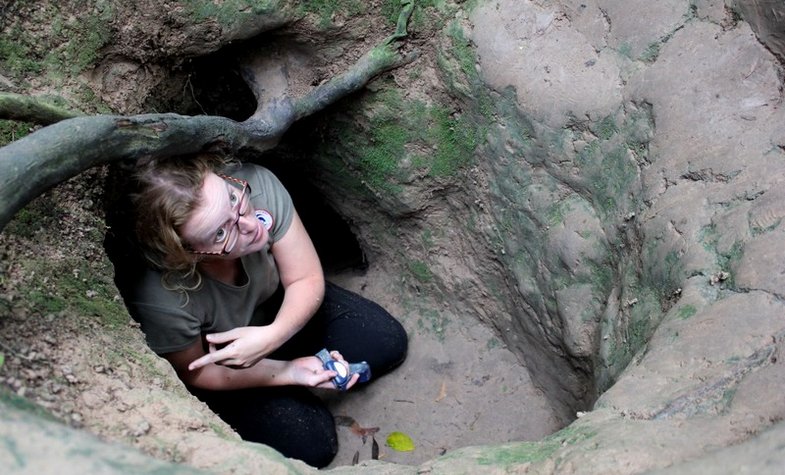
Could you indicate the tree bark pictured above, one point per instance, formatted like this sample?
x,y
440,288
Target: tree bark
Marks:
x,y
53,154
38,110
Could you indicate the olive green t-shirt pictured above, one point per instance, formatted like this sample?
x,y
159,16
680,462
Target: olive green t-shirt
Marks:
x,y
172,321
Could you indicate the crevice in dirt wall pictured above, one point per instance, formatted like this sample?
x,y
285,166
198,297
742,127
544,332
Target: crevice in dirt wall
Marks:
x,y
337,246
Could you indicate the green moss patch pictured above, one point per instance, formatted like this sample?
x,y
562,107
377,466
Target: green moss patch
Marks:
x,y
686,311
11,130
73,286
228,12
70,44
527,452
326,10
399,138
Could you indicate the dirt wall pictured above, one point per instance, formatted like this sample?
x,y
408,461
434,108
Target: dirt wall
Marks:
x,y
596,181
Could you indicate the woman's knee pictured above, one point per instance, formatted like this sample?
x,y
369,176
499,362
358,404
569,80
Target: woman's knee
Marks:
x,y
395,346
303,429
363,330
316,449
291,420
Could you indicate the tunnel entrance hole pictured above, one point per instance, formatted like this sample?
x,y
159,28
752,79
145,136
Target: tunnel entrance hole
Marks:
x,y
336,244
215,86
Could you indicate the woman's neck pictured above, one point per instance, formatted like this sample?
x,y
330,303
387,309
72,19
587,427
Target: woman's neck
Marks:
x,y
228,271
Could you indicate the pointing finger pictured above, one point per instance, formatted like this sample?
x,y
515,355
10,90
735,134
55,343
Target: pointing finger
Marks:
x,y
200,362
216,357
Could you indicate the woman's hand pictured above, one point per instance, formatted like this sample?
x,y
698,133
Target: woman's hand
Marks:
x,y
240,347
309,371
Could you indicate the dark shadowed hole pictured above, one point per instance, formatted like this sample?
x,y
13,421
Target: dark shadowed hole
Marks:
x,y
214,86
336,244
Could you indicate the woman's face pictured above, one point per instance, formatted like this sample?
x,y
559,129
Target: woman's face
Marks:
x,y
217,220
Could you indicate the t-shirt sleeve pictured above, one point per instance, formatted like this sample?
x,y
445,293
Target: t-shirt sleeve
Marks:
x,y
165,317
269,195
166,329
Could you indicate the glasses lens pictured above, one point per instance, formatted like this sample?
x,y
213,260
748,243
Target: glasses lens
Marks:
x,y
231,239
242,206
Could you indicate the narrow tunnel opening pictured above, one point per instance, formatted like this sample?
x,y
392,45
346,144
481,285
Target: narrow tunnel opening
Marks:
x,y
213,86
216,87
336,244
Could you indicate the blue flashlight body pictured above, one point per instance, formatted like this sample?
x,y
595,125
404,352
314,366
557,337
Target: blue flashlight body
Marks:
x,y
344,374
363,369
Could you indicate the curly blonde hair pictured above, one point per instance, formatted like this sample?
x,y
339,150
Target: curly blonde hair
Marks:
x,y
167,192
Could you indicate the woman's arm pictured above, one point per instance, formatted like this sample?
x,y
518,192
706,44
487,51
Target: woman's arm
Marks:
x,y
303,282
302,279
307,371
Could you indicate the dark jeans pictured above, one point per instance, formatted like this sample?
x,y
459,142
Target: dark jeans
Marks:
x,y
292,419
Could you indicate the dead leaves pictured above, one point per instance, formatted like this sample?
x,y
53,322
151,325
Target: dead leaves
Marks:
x,y
363,433
397,441
374,449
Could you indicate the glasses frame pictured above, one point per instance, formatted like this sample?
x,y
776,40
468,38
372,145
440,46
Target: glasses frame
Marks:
x,y
245,189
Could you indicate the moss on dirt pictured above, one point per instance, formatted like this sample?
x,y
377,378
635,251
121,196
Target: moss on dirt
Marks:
x,y
326,10
725,259
92,33
227,12
71,45
420,271
74,286
608,171
17,402
400,138
11,130
603,178
380,157
686,311
521,453
455,138
651,52
432,321
459,65
16,58
644,295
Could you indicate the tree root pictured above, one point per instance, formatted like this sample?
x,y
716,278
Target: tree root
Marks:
x,y
72,144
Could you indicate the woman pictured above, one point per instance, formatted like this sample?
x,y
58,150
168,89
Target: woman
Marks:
x,y
233,296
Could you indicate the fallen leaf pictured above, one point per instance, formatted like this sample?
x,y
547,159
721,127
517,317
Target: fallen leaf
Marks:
x,y
365,431
359,431
442,392
400,442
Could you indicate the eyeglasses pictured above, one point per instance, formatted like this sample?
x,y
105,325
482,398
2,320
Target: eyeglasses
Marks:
x,y
240,201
